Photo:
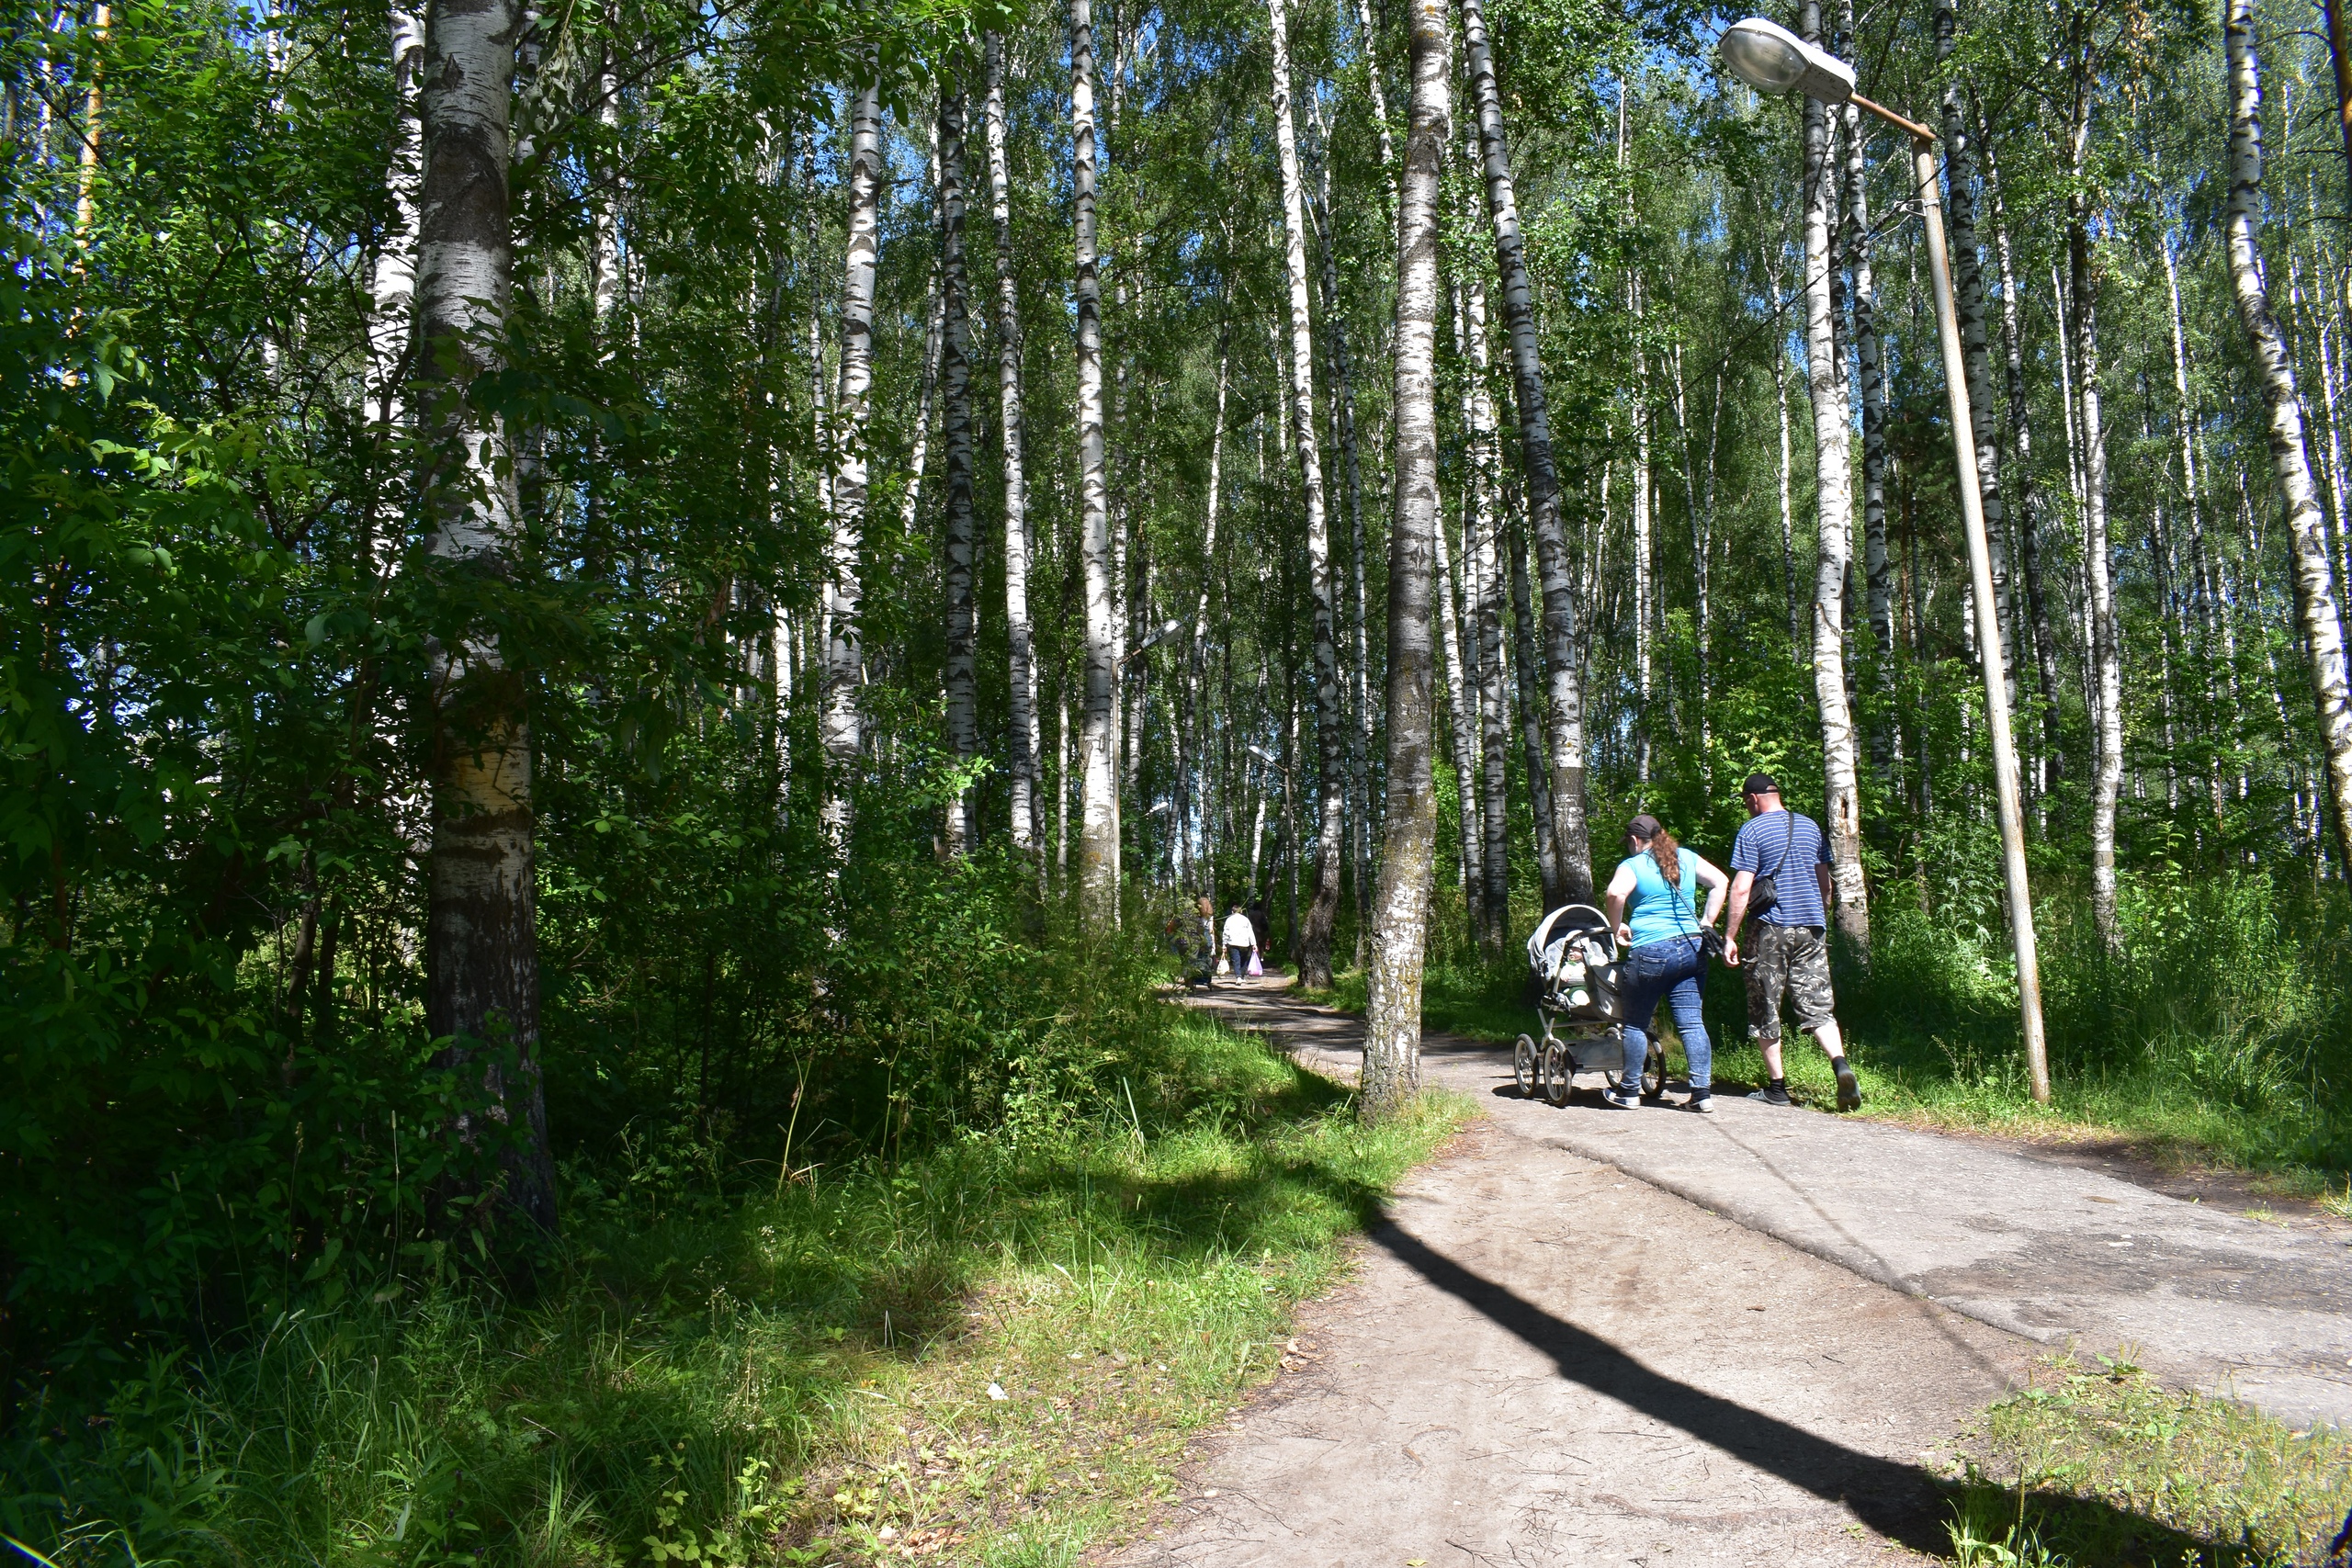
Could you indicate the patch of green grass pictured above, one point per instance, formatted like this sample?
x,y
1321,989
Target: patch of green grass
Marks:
x,y
989,1351
2100,1468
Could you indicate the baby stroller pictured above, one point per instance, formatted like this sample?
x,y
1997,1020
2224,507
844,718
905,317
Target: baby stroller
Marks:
x,y
1578,989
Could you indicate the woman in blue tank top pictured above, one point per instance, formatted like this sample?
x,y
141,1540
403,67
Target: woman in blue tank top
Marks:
x,y
1650,908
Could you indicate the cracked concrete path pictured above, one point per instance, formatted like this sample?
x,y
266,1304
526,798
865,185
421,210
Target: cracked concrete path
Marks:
x,y
1588,1335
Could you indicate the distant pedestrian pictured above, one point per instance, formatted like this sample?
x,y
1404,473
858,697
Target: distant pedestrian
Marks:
x,y
1207,908
1240,940
1651,910
1781,866
1262,923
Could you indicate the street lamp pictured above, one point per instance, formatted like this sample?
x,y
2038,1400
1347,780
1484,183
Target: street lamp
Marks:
x,y
1774,60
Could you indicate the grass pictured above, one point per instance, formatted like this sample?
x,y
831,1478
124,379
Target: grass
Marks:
x,y
2093,1468
990,1352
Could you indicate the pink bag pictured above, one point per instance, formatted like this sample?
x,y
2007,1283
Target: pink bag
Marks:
x,y
1256,968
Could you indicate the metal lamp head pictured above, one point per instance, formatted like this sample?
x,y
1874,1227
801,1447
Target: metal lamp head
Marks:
x,y
1774,60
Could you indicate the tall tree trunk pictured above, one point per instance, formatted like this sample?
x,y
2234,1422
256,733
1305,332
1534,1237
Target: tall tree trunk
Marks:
x,y
1826,377
1099,829
2315,604
956,407
1528,689
1489,893
85,179
1644,553
1192,727
1330,744
1968,303
2339,55
1369,33
2185,433
2028,529
480,950
1788,517
1343,415
1392,1052
1020,648
927,386
841,722
1483,566
1564,721
1863,300
1461,691
392,317
2106,652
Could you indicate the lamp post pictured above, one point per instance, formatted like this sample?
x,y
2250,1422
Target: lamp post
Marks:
x,y
1774,60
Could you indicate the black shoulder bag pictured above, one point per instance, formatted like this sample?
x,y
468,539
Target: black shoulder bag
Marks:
x,y
1764,892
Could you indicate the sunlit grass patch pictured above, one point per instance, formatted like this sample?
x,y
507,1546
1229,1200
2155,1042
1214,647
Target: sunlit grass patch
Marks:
x,y
2093,1468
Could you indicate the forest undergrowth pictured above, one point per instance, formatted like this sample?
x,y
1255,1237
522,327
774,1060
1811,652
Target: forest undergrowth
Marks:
x,y
988,1349
2220,1035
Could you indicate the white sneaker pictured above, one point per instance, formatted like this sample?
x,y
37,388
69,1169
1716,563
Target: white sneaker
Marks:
x,y
1617,1099
1703,1102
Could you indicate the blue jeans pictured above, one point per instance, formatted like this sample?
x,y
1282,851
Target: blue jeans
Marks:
x,y
1674,971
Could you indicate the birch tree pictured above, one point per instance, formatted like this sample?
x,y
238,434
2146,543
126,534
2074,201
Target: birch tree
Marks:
x,y
481,945
1392,1052
2315,605
1020,644
840,715
2083,276
1826,378
1330,744
1098,743
956,404
1564,719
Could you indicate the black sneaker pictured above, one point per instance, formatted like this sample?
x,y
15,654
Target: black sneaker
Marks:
x,y
1850,1090
1772,1094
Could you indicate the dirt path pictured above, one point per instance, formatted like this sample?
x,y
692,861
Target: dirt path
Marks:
x,y
1650,1337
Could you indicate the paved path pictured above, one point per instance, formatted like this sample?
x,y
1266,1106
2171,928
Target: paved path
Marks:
x,y
1605,1336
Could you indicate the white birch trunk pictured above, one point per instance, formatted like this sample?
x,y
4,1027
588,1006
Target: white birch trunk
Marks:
x,y
1391,1055
1826,376
481,959
1099,827
1020,643
955,433
2105,650
2029,508
2315,604
1564,721
1463,726
1330,746
391,316
841,720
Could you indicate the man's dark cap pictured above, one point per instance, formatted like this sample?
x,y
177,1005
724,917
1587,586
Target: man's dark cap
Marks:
x,y
1643,827
1761,783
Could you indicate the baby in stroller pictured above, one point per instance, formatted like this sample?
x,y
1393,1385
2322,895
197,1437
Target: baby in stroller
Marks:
x,y
1579,999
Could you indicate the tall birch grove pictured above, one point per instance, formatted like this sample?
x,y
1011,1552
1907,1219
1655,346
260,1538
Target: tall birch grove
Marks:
x,y
598,599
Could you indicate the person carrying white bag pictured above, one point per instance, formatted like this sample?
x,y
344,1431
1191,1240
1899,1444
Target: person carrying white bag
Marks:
x,y
1240,940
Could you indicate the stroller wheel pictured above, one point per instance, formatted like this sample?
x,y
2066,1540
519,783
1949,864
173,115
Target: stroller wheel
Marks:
x,y
1559,1071
1526,1067
1654,1074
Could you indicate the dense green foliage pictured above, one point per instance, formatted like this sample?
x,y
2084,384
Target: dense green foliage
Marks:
x,y
704,1362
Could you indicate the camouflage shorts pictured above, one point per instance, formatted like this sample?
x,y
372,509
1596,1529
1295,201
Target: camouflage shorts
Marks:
x,y
1791,958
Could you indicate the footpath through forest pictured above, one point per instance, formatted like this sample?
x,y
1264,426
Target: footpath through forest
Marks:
x,y
1601,1335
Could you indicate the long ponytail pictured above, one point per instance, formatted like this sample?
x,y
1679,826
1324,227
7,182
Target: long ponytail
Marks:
x,y
1668,854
